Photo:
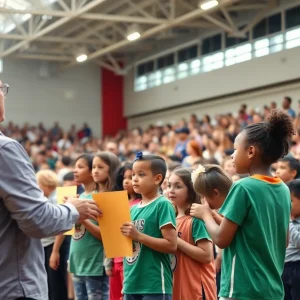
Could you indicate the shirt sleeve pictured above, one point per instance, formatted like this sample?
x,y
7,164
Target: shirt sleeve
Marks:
x,y
294,235
34,214
199,231
166,214
236,206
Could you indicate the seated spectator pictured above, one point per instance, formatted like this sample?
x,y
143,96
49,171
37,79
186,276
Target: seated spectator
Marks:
x,y
194,152
286,105
180,148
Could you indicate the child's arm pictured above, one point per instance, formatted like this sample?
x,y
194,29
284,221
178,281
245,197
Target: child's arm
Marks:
x,y
221,235
167,244
218,218
55,256
92,229
294,235
202,252
108,264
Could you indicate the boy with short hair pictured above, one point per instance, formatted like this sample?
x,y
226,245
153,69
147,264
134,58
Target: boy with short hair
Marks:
x,y
291,273
148,274
288,168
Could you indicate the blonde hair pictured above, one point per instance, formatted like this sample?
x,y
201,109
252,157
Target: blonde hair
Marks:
x,y
213,178
47,178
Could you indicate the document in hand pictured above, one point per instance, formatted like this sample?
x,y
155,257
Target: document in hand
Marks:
x,y
116,211
61,193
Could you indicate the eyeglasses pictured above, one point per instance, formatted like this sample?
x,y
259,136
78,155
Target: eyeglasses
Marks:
x,y
4,88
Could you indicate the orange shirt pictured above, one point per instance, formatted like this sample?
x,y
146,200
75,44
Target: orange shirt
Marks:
x,y
190,276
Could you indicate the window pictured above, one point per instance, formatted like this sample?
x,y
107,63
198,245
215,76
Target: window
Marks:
x,y
145,68
261,29
233,41
292,17
274,23
267,26
212,44
165,61
188,53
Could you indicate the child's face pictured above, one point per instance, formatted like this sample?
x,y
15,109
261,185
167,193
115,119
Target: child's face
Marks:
x,y
242,155
235,178
295,206
143,180
164,185
229,167
177,191
82,173
284,172
46,189
215,201
100,170
127,182
70,183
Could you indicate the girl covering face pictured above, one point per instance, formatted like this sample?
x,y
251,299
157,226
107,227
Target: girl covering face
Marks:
x,y
194,271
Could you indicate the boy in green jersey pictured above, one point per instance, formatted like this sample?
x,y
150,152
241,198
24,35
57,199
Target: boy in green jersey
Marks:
x,y
148,274
256,213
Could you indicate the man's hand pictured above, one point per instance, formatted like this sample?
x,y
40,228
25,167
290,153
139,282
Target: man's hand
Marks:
x,y
87,209
129,229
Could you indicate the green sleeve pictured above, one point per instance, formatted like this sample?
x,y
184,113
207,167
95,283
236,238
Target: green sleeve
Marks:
x,y
166,214
236,206
199,231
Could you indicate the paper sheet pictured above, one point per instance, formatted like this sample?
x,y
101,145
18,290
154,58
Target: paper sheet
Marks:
x,y
62,192
116,211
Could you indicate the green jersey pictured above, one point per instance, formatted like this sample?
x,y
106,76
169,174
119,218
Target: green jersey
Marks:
x,y
149,271
253,263
86,251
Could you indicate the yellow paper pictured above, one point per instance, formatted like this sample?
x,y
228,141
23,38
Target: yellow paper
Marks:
x,y
116,211
61,193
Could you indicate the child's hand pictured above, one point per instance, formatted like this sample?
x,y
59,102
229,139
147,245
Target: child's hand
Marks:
x,y
54,260
200,210
108,273
128,229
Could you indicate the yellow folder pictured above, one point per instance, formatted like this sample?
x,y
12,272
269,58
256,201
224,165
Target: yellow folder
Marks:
x,y
61,193
116,211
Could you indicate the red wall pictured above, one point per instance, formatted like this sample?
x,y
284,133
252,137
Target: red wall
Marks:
x,y
112,87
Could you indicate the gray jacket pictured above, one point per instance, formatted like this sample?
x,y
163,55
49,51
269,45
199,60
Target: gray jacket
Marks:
x,y
25,217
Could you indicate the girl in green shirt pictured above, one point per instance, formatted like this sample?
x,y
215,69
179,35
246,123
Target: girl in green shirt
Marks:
x,y
254,230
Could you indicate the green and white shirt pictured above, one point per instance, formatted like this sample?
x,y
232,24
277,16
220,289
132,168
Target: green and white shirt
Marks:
x,y
149,271
253,263
86,251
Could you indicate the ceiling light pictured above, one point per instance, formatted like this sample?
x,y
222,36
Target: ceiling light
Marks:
x,y
208,4
81,54
133,36
81,58
133,33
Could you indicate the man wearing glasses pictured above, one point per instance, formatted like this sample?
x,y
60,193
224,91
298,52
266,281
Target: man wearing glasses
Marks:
x,y
26,217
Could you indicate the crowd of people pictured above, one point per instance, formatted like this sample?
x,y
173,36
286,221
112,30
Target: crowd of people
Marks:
x,y
194,188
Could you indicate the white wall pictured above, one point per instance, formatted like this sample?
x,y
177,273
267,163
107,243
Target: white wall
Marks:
x,y
268,70
228,104
70,97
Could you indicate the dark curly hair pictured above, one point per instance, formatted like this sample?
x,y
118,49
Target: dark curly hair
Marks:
x,y
272,137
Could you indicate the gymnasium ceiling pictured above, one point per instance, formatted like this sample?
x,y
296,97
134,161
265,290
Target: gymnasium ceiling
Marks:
x,y
59,30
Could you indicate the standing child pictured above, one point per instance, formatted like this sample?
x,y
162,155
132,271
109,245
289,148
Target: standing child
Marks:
x,y
105,167
124,182
194,271
57,278
213,185
86,252
291,273
148,274
256,214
